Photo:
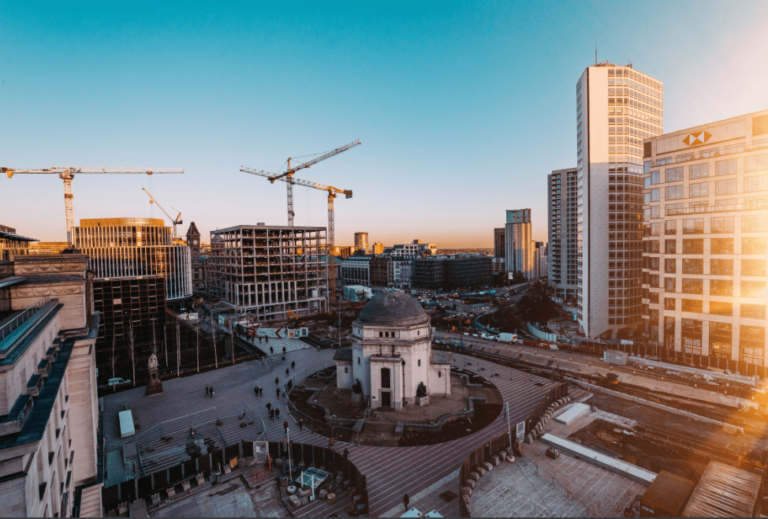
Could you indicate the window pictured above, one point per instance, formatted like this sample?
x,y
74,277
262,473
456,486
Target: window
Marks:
x,y
669,285
346,370
385,378
752,311
754,223
722,245
752,339
358,360
653,263
754,246
720,336
439,374
669,303
419,363
693,266
670,246
655,229
698,171
692,305
721,287
670,227
655,195
721,267
756,163
752,184
646,182
721,225
720,308
693,246
652,246
674,174
725,187
674,192
655,212
672,209
753,289
654,297
696,190
381,334
670,265
753,267
693,226
693,286
655,177
726,167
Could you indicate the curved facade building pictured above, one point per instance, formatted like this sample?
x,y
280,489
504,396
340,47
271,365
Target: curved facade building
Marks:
x,y
131,247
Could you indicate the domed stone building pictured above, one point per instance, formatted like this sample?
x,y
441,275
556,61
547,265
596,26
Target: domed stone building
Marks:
x,y
392,354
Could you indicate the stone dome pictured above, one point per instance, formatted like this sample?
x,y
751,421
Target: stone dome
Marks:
x,y
393,309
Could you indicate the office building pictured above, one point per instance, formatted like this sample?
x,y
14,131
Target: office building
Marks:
x,y
267,270
705,239
451,272
539,259
378,248
48,402
519,253
356,270
499,242
562,248
344,252
11,244
361,241
135,247
416,248
196,258
617,108
391,271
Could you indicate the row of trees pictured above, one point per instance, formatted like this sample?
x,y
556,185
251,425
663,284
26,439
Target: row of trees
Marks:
x,y
536,306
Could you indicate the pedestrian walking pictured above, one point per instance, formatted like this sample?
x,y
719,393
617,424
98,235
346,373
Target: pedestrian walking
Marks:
x,y
287,372
266,337
301,424
278,392
283,359
406,501
277,380
261,391
256,390
293,365
277,413
211,391
269,406
285,426
284,352
206,391
346,454
271,414
271,350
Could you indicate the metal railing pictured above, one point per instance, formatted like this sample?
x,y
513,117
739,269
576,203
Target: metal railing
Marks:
x,y
17,321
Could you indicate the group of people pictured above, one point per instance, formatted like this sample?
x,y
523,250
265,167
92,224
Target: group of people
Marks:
x,y
274,412
209,391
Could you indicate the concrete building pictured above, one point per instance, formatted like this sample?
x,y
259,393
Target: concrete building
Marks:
x,y
196,258
378,248
48,247
344,251
499,242
539,259
705,239
616,108
391,271
266,270
356,270
519,253
361,241
131,247
451,272
416,248
562,248
392,355
48,402
11,244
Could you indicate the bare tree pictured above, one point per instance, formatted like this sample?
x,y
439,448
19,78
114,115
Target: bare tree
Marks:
x,y
113,362
178,350
131,348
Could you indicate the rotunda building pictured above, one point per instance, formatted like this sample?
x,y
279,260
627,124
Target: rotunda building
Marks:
x,y
391,359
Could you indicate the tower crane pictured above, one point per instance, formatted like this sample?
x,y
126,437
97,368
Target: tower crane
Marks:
x,y
67,174
175,222
332,193
288,174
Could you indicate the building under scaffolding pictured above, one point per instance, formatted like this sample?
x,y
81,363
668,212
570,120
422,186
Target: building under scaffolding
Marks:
x,y
268,270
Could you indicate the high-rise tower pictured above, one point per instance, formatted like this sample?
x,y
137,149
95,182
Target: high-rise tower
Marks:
x,y
616,108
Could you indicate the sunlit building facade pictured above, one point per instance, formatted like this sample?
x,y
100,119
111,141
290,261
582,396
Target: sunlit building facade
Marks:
x,y
563,237
519,255
617,107
705,239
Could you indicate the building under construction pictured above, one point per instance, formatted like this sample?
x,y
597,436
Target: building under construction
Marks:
x,y
135,247
268,270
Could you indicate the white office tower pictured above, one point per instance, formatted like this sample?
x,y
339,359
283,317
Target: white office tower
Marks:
x,y
616,108
519,253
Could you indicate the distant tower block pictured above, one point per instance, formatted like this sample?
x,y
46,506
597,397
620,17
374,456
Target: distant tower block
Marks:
x,y
361,241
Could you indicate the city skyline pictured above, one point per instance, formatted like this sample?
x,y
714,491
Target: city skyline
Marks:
x,y
203,89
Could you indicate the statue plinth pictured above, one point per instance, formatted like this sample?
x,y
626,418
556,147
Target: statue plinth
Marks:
x,y
154,386
422,400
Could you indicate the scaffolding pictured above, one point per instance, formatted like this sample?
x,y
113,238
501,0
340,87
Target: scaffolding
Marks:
x,y
268,270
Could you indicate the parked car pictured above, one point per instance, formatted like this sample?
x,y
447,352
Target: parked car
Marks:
x,y
117,382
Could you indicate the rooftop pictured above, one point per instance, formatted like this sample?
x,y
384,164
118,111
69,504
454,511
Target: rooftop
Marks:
x,y
393,309
122,222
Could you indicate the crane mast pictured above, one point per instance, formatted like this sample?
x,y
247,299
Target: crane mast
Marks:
x,y
67,174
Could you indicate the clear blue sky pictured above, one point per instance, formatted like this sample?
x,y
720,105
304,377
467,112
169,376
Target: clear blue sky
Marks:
x,y
462,107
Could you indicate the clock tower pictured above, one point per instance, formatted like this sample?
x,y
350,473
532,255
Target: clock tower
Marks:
x,y
193,242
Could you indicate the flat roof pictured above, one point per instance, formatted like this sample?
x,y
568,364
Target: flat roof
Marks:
x,y
279,227
703,125
122,222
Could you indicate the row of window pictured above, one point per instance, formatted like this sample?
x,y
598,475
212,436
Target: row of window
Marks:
x,y
717,267
721,225
717,287
758,246
722,167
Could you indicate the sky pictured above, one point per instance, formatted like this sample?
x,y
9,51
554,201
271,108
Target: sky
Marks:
x,y
463,108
